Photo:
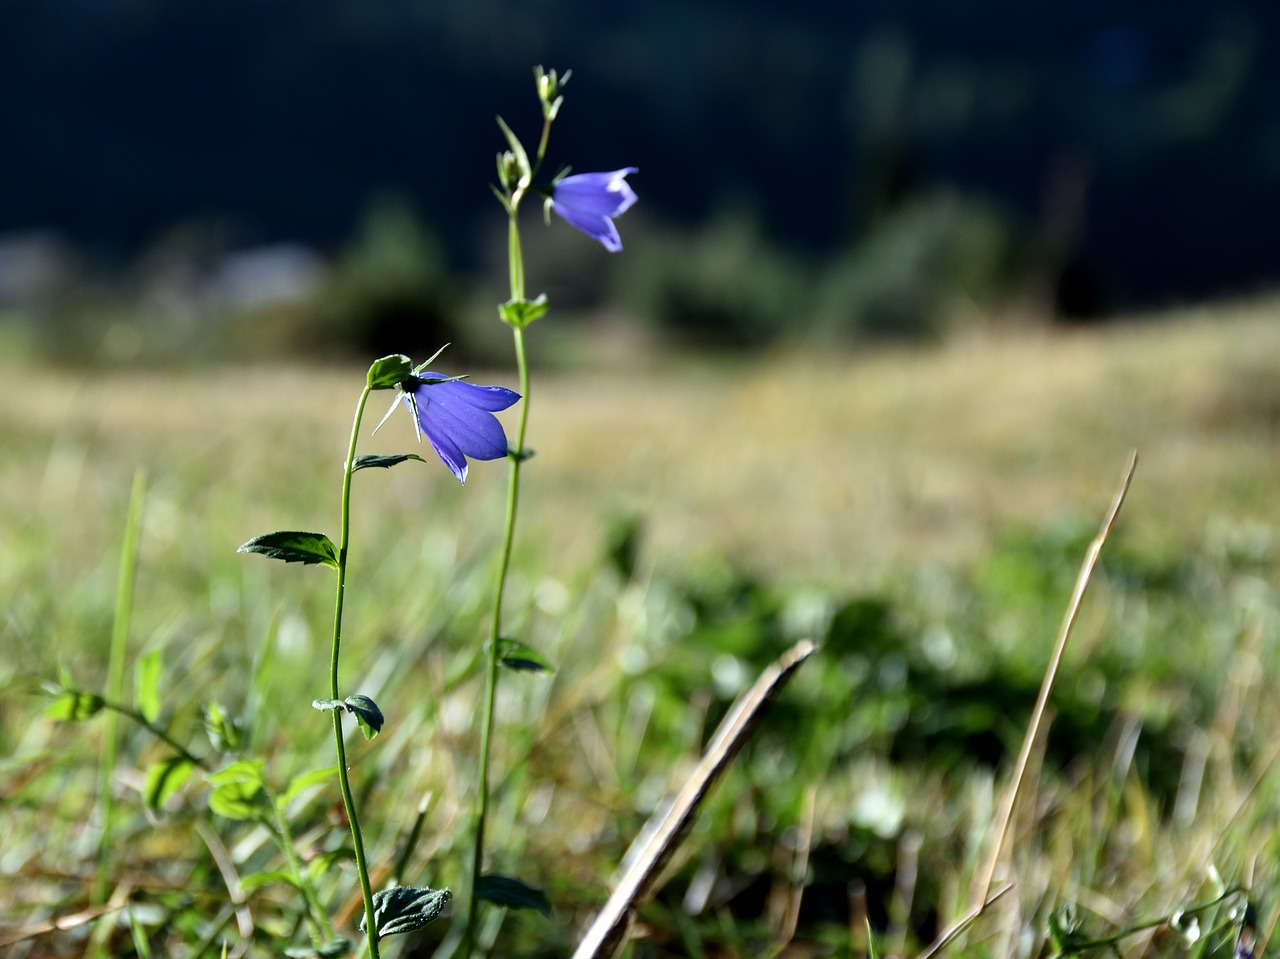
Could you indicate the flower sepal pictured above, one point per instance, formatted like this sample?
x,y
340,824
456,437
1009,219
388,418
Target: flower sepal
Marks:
x,y
549,87
389,372
520,313
514,167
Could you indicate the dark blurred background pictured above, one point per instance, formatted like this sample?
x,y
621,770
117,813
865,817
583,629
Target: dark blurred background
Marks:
x,y
248,175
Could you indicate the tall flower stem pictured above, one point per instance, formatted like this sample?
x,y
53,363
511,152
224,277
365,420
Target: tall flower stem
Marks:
x,y
371,929
517,457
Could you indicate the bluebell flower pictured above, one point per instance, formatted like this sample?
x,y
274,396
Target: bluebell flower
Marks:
x,y
458,419
589,201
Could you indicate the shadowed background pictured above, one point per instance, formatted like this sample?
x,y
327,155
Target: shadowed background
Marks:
x,y
808,170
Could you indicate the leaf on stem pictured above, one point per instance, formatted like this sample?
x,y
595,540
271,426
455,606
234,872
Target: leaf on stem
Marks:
x,y
147,685
371,460
366,711
522,657
293,546
406,908
256,880
520,313
164,778
300,784
318,866
74,705
238,790
512,893
389,372
223,729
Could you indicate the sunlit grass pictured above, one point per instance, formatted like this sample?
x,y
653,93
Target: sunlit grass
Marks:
x,y
949,485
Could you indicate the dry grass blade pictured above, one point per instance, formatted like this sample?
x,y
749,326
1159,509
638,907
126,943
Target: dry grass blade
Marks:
x,y
1010,799
662,834
1050,675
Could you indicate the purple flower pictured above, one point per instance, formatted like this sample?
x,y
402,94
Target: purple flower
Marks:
x,y
589,201
458,419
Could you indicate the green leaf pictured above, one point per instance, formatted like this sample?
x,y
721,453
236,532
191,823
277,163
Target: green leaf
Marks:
x,y
141,944
367,714
512,893
522,657
292,546
389,372
238,791
318,866
223,729
73,705
164,778
363,708
517,149
371,460
147,685
406,908
256,880
300,784
520,313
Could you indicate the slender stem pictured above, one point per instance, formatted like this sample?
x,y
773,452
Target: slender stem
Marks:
x,y
517,457
357,842
515,254
319,919
154,730
542,143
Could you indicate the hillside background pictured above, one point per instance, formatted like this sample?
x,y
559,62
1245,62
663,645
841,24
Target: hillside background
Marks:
x,y
838,168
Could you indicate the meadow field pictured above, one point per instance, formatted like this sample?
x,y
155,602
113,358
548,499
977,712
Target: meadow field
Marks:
x,y
919,512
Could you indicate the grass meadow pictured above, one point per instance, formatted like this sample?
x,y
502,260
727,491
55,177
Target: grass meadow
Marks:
x,y
919,513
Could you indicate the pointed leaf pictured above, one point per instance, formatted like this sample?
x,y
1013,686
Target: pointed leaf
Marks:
x,y
223,729
256,880
363,708
318,866
372,460
73,705
300,784
147,685
520,313
238,791
406,908
516,655
517,148
164,778
512,893
389,372
293,546
367,713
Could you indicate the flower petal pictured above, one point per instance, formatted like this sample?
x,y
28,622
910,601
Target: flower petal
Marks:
x,y
594,225
455,416
491,398
604,194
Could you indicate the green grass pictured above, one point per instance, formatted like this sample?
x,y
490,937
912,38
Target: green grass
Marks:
x,y
922,513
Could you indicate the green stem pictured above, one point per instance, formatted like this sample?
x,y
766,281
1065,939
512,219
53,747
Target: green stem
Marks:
x,y
154,730
1085,945
517,457
357,842
319,918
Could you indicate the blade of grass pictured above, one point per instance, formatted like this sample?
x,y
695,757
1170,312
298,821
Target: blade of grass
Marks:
x,y
663,833
1005,815
115,677
982,902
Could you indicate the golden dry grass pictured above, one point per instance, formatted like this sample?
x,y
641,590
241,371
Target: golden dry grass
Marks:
x,y
825,467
